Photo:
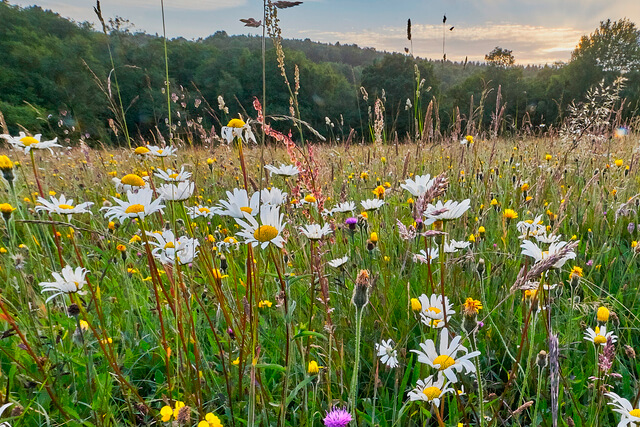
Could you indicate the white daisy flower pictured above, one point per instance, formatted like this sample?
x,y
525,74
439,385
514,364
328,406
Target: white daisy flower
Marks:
x,y
130,182
269,230
200,212
344,207
68,281
238,204
452,246
169,249
432,310
172,192
419,186
599,336
26,143
531,249
283,170
445,211
62,206
339,262
315,231
530,227
138,205
446,359
372,204
387,354
273,197
630,415
237,128
423,257
227,243
547,238
161,151
431,389
173,176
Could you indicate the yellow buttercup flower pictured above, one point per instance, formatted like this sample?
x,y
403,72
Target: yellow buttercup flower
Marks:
x,y
603,314
265,303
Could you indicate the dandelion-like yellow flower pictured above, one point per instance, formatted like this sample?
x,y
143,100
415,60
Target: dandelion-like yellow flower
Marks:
x,y
5,163
471,307
524,187
313,368
548,157
364,176
415,304
469,139
121,248
510,214
472,238
379,191
619,162
494,202
6,209
374,237
575,271
481,230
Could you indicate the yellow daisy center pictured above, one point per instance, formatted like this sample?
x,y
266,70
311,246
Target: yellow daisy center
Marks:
x,y
247,210
28,140
265,233
134,209
159,151
432,392
132,180
436,310
236,123
63,206
141,150
599,339
444,361
230,240
635,413
204,210
169,245
309,198
173,176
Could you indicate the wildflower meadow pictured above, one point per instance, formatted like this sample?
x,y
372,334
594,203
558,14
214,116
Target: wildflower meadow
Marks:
x,y
261,274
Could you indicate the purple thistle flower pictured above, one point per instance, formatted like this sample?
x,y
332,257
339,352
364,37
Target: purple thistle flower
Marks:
x,y
337,417
351,223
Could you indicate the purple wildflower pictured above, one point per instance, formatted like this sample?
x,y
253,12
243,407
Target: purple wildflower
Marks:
x,y
337,417
590,263
351,222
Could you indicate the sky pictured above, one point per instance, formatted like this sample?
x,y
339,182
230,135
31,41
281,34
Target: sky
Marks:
x,y
537,31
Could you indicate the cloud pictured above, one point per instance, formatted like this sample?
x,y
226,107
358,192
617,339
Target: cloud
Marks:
x,y
530,43
192,5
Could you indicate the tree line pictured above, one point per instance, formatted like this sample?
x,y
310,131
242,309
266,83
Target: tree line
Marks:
x,y
64,78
